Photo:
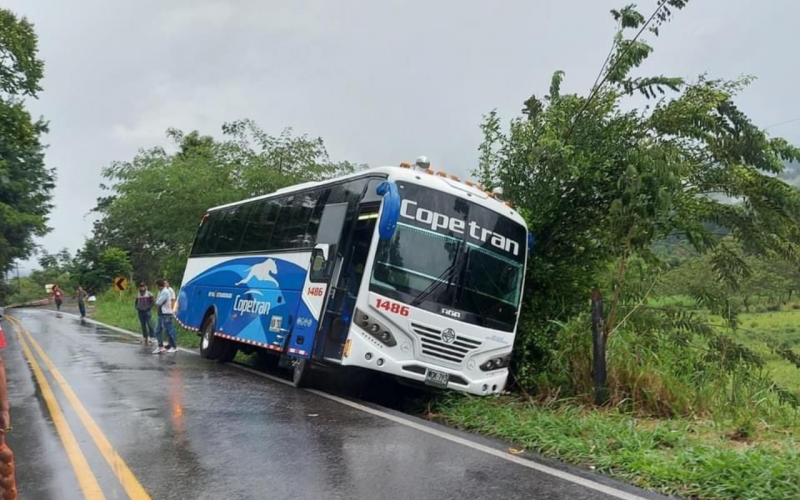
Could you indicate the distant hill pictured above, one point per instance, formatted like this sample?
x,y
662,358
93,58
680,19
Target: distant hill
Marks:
x,y
791,174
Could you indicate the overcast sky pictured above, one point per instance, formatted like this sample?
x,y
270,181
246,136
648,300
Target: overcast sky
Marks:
x,y
380,81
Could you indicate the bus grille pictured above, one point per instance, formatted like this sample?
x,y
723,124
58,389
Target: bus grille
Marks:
x,y
432,345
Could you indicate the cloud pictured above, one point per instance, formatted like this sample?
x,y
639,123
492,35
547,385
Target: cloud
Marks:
x,y
379,81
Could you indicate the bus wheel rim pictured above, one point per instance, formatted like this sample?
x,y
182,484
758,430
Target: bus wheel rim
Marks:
x,y
206,339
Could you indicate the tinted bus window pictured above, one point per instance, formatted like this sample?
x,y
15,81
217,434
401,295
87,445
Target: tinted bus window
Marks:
x,y
200,246
293,227
371,194
316,215
212,238
260,225
230,235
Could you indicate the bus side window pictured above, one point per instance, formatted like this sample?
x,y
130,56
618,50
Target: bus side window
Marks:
x,y
282,235
294,221
231,234
316,215
212,239
200,246
330,233
371,194
258,231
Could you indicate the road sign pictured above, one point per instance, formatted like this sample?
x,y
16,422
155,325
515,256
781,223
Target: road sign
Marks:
x,y
120,284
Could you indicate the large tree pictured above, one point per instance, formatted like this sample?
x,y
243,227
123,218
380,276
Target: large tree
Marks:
x,y
25,182
600,180
156,200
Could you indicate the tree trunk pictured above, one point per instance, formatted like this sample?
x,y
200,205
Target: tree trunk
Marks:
x,y
623,264
599,373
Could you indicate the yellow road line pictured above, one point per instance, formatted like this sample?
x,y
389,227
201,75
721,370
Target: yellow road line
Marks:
x,y
86,479
124,475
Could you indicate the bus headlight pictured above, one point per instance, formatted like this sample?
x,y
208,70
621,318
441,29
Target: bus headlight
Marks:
x,y
496,363
375,328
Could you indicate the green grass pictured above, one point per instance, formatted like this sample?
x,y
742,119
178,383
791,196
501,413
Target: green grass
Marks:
x,y
782,327
758,330
673,300
119,311
722,436
690,458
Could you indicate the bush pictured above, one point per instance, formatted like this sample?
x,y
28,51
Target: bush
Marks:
x,y
665,372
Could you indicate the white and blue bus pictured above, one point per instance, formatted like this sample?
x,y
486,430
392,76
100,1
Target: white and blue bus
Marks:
x,y
393,269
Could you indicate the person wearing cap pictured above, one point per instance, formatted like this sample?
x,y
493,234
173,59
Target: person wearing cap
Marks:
x,y
144,306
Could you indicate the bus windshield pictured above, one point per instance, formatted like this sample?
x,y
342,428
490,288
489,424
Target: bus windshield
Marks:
x,y
451,256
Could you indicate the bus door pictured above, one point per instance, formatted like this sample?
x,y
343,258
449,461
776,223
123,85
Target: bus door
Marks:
x,y
347,280
321,268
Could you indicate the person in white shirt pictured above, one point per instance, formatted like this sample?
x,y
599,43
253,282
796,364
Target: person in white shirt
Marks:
x,y
171,295
165,325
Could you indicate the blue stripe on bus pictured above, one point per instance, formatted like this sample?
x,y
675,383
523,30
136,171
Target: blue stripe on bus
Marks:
x,y
255,298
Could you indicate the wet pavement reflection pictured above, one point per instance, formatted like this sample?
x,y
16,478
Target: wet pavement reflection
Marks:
x,y
193,429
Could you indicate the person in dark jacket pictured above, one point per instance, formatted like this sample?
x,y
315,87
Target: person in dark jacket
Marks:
x,y
144,306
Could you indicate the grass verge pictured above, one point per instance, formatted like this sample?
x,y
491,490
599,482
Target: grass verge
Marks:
x,y
119,311
690,458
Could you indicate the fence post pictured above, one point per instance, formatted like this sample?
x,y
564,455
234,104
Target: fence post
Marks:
x,y
599,350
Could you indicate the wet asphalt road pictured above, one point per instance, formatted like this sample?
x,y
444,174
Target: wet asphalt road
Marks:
x,y
192,429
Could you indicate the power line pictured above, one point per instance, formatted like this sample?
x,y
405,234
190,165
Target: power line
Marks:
x,y
596,88
782,123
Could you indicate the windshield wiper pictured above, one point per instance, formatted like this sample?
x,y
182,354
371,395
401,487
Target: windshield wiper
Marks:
x,y
443,278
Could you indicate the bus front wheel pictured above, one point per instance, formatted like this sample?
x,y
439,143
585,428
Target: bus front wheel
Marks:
x,y
210,345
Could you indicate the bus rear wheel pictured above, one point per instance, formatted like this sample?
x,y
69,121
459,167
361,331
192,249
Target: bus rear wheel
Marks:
x,y
210,345
301,369
228,351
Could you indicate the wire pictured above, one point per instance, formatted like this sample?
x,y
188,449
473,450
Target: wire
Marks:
x,y
782,123
596,89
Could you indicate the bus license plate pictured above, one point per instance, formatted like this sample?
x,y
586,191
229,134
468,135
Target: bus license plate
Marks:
x,y
437,379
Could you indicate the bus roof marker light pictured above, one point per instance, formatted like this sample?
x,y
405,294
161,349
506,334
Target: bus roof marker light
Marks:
x,y
391,209
405,164
441,173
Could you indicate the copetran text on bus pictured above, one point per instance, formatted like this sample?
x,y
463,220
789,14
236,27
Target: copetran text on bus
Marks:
x,y
440,221
254,306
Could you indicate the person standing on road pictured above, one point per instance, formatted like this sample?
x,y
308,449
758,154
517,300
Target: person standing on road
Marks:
x,y
58,296
144,307
172,303
81,295
165,325
172,296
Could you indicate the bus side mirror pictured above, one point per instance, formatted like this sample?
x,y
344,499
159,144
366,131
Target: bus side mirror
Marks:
x,y
530,243
391,209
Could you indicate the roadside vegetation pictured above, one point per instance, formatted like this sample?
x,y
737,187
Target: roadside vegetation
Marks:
x,y
118,310
26,183
679,220
654,196
689,457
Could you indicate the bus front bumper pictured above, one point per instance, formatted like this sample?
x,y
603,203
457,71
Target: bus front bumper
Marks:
x,y
366,353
